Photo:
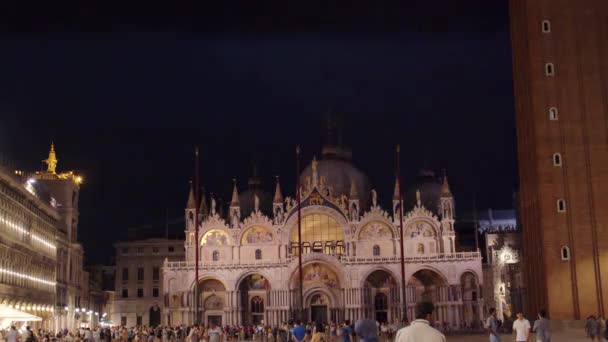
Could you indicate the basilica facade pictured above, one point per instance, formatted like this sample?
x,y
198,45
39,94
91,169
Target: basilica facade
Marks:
x,y
350,246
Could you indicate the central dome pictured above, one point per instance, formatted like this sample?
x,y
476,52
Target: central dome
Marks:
x,y
429,186
339,173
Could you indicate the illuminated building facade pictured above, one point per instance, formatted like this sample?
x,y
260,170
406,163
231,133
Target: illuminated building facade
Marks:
x,y
28,249
560,74
138,289
41,270
350,250
503,277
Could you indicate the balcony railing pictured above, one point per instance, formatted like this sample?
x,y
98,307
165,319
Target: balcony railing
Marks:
x,y
437,257
460,256
226,263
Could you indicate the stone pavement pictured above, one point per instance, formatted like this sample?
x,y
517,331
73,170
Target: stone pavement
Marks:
x,y
568,336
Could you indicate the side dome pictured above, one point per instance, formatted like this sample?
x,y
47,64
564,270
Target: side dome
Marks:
x,y
429,186
339,174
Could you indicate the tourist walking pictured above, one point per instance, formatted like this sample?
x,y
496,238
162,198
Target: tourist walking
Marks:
x,y
521,328
420,330
318,333
366,330
214,333
542,327
492,326
591,328
299,332
12,335
347,332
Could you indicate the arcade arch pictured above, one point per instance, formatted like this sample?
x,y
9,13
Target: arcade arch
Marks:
x,y
212,299
381,293
253,292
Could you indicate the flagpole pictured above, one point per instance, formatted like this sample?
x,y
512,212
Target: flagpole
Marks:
x,y
299,195
196,242
403,285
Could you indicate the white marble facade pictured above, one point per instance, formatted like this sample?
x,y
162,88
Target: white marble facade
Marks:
x,y
248,270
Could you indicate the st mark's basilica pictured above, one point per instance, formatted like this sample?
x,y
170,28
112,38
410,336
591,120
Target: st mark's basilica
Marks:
x,y
248,270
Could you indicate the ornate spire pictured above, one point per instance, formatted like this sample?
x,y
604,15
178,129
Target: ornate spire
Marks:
x,y
278,196
213,205
397,191
235,195
445,187
51,161
191,203
418,200
203,211
353,190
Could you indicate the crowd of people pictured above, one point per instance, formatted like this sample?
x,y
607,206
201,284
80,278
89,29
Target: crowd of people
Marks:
x,y
419,330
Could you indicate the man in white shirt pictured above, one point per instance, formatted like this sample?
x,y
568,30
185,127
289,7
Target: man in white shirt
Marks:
x,y
12,335
215,333
420,330
521,328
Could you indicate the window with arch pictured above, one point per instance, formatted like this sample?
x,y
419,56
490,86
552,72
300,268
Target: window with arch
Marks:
x,y
339,248
306,247
420,249
215,256
553,114
258,254
317,229
317,247
257,305
565,253
557,159
561,205
546,26
376,250
329,247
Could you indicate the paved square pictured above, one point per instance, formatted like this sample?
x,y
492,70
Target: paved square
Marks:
x,y
559,337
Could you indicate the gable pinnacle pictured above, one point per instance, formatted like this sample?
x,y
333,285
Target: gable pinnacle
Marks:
x,y
191,203
235,195
445,186
397,190
278,196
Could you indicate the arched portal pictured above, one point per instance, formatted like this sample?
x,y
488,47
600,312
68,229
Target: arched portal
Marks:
x,y
470,298
321,290
425,284
381,307
319,308
154,316
212,299
382,296
253,291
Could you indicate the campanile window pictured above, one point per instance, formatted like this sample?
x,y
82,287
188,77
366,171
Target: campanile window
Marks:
x,y
549,69
546,26
565,253
553,114
557,159
561,205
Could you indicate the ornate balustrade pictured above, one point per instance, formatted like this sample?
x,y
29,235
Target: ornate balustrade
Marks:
x,y
175,265
440,257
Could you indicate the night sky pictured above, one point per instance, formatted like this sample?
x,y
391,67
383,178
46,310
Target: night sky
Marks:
x,y
126,94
